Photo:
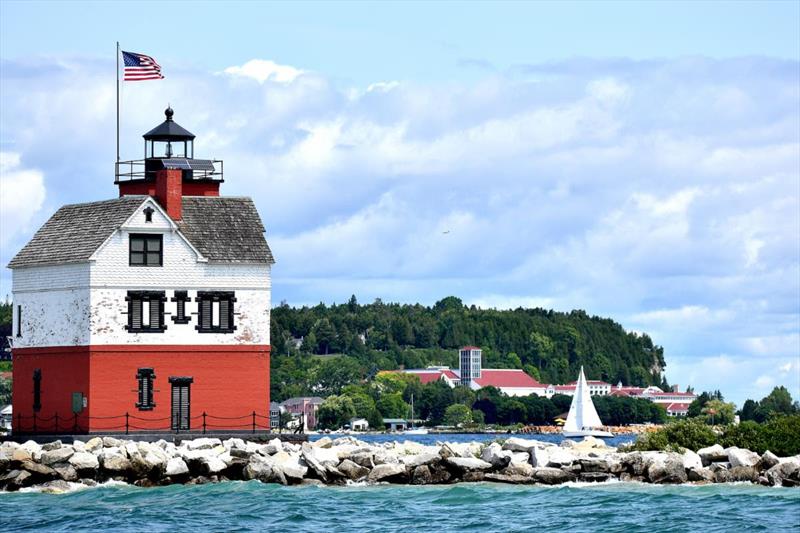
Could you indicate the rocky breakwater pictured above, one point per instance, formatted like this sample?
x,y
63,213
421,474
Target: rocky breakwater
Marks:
x,y
519,461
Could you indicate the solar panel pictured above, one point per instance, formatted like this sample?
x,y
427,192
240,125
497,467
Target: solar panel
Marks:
x,y
182,164
201,164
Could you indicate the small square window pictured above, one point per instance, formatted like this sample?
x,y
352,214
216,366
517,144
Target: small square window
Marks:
x,y
146,250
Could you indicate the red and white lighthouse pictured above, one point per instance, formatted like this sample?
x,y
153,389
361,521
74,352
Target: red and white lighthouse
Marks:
x,y
146,311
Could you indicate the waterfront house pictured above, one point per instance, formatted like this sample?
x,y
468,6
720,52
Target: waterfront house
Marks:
x,y
304,410
395,424
359,424
150,311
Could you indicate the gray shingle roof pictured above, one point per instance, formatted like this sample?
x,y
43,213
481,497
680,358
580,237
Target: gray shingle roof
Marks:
x,y
75,231
223,229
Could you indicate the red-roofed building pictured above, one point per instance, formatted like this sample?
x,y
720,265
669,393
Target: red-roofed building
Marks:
x,y
677,409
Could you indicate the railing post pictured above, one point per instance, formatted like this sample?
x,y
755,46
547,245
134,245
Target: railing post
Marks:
x,y
126,422
204,422
75,423
254,421
34,422
19,422
56,422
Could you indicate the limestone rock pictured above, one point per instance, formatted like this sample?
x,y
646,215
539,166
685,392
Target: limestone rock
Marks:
x,y
465,464
712,454
667,468
21,454
17,479
768,460
743,473
56,455
558,457
552,476
95,443
515,444
58,486
593,465
740,457
496,456
539,457
111,442
387,472
176,467
473,476
700,475
259,467
596,477
38,470
512,479
112,459
352,470
289,465
66,471
691,460
84,461
785,473
50,446
413,461
422,476
324,442
204,443
518,469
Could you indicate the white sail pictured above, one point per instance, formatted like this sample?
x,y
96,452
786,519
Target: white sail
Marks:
x,y
582,414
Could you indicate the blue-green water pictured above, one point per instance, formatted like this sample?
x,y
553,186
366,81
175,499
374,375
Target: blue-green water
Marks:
x,y
432,438
252,506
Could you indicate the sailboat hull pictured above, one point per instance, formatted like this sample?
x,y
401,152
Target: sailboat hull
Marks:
x,y
588,433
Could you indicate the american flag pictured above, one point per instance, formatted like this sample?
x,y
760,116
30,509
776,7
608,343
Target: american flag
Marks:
x,y
139,67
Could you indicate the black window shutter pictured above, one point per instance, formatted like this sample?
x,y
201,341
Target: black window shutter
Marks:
x,y
224,314
136,313
205,313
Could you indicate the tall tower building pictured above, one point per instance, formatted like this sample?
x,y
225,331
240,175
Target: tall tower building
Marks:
x,y
469,358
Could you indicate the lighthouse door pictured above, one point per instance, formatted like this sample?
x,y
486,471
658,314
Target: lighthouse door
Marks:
x,y
181,396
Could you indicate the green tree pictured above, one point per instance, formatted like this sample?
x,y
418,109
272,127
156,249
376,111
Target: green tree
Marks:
x,y
719,412
457,415
335,412
477,417
391,405
777,402
334,373
5,391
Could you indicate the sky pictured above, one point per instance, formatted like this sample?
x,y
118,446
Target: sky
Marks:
x,y
640,161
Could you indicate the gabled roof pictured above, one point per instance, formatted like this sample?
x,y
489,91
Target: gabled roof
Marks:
x,y
223,229
507,378
426,376
75,231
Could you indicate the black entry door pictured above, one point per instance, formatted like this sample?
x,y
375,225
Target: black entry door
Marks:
x,y
181,400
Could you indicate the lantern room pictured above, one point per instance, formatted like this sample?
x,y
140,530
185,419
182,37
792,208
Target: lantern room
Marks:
x,y
169,139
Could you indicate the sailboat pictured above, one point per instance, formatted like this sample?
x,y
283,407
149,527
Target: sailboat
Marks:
x,y
412,430
582,420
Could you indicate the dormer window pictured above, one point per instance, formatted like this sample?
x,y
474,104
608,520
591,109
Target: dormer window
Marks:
x,y
146,250
148,214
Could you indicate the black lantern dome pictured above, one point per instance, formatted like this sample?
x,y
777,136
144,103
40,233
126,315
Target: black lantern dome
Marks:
x,y
169,139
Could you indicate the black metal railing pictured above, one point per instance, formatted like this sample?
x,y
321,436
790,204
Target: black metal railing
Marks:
x,y
136,170
128,423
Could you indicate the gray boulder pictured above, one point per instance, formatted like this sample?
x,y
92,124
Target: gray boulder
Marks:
x,y
768,460
66,471
741,457
421,475
114,460
712,454
56,455
595,477
84,461
691,460
700,475
515,444
465,464
17,479
413,461
539,457
518,469
593,465
111,442
743,473
558,457
176,467
204,443
512,479
496,456
552,476
50,446
667,468
352,470
785,473
387,472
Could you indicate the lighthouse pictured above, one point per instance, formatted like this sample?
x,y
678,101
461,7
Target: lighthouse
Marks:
x,y
146,312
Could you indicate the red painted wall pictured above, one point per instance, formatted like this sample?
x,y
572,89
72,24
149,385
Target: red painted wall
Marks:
x,y
229,382
64,371
197,188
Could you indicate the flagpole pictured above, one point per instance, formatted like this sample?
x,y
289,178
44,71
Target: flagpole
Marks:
x,y
117,101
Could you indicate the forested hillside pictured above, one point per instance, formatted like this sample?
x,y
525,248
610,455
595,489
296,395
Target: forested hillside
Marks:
x,y
549,345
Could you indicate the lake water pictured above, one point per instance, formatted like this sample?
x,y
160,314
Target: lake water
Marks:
x,y
433,438
484,507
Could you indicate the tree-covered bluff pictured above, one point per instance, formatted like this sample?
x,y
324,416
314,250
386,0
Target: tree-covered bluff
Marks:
x,y
551,346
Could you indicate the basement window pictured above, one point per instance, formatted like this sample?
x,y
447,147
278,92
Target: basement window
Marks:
x,y
180,299
144,378
146,250
37,390
215,310
146,311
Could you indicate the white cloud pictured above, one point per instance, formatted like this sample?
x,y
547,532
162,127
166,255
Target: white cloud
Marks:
x,y
663,194
22,193
263,70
